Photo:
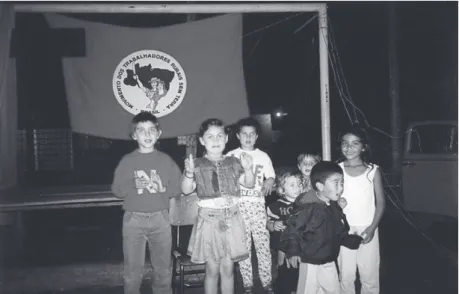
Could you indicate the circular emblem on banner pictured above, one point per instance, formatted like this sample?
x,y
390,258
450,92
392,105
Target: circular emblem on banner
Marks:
x,y
149,80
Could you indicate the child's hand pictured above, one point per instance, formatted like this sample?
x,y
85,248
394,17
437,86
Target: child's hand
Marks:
x,y
267,187
246,161
189,164
294,261
342,202
141,183
157,184
367,235
280,257
278,226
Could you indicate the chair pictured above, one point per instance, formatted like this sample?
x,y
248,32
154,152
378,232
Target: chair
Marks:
x,y
186,274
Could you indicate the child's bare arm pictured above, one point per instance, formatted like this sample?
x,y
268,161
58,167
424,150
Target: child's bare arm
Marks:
x,y
267,187
247,179
270,175
380,206
188,184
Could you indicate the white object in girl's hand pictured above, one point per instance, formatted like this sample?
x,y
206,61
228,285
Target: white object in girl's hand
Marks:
x,y
189,164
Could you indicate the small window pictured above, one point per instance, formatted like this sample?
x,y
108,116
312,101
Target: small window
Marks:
x,y
434,139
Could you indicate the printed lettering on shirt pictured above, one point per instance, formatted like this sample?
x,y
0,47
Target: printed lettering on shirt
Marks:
x,y
286,210
249,192
255,192
155,184
259,175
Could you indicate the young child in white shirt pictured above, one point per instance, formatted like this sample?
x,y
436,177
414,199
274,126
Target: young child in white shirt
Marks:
x,y
252,205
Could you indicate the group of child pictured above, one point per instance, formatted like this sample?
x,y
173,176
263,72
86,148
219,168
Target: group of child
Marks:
x,y
324,212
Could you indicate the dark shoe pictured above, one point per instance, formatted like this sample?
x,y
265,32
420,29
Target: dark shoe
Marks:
x,y
248,291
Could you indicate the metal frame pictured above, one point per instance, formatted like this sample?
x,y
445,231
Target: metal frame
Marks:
x,y
320,8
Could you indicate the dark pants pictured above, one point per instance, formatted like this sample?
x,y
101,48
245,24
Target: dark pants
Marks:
x,y
287,279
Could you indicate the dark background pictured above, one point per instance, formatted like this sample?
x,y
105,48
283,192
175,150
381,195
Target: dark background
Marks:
x,y
281,71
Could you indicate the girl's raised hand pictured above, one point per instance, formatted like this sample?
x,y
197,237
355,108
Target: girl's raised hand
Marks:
x,y
246,161
189,164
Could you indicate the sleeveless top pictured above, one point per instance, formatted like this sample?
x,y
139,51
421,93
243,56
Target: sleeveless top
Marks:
x,y
360,195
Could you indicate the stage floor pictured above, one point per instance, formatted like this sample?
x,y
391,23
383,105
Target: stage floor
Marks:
x,y
81,253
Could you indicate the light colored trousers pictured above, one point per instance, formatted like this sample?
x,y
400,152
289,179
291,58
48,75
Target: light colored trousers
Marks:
x,y
254,215
315,279
366,259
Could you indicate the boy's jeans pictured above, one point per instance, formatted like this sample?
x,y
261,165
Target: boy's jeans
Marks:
x,y
138,228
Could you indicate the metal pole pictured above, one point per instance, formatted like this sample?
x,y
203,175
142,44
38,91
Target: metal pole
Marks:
x,y
321,8
395,118
166,8
190,16
191,147
324,86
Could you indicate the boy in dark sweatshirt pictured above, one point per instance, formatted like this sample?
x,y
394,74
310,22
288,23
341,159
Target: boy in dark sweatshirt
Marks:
x,y
316,230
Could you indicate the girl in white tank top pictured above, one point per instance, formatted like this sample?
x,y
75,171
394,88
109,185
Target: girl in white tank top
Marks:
x,y
364,193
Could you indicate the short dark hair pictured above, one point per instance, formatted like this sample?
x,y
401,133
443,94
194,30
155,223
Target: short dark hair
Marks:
x,y
322,171
248,122
144,116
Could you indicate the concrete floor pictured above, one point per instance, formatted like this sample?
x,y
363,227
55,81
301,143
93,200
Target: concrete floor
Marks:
x,y
74,258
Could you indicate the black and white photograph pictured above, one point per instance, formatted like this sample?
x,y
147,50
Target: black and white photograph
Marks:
x,y
228,147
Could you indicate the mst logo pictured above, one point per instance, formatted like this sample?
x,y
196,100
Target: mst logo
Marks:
x,y
149,80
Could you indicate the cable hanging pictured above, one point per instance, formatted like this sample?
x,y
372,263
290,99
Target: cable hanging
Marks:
x,y
345,98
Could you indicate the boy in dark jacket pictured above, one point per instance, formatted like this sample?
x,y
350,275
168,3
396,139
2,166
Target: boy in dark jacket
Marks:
x,y
316,230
